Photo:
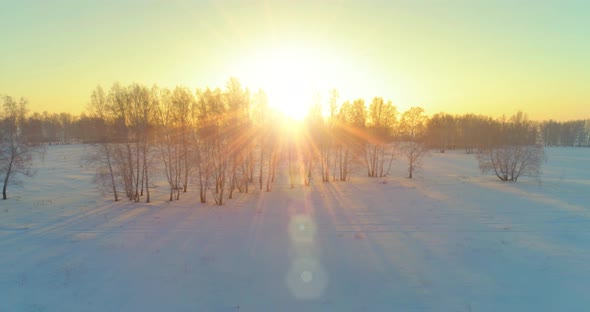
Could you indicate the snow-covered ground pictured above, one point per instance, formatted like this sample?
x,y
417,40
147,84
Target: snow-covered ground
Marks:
x,y
449,240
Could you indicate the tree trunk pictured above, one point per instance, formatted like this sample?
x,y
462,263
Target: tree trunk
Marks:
x,y
261,167
268,177
137,175
111,173
334,168
147,186
4,188
274,166
185,160
251,165
7,177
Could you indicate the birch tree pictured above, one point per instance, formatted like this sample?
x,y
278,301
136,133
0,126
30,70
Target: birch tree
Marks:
x,y
382,117
102,152
412,127
16,153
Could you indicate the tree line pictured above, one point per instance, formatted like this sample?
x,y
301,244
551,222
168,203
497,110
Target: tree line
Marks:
x,y
570,133
475,132
220,141
444,131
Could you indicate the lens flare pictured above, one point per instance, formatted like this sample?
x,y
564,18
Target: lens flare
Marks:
x,y
302,229
306,279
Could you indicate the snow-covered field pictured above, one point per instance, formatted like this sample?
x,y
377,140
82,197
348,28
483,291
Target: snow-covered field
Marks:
x,y
449,240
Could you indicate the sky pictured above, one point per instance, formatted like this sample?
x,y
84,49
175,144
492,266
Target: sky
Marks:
x,y
490,57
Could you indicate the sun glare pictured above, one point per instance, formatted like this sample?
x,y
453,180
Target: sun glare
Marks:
x,y
288,89
291,77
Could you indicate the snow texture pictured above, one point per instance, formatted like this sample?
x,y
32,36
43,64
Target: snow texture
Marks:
x,y
448,240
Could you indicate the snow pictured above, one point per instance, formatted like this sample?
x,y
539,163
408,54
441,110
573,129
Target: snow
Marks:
x,y
449,240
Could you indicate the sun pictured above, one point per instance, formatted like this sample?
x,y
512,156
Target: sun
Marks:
x,y
288,86
292,77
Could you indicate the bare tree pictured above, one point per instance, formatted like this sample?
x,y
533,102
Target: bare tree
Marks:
x,y
290,144
517,153
141,107
319,137
120,108
381,122
169,142
16,153
349,135
213,158
412,127
414,152
220,148
509,162
272,145
124,146
182,102
205,137
238,134
332,130
261,125
103,150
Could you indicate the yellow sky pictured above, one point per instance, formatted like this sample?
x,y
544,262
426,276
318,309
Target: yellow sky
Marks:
x,y
488,57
